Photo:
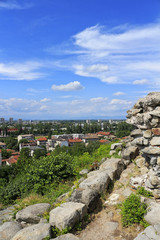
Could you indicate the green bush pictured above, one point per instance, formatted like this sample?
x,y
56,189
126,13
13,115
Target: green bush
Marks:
x,y
143,192
133,211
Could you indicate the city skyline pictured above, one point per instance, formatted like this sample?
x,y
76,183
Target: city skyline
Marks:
x,y
77,59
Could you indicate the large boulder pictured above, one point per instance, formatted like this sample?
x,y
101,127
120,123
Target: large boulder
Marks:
x,y
8,230
130,153
151,232
113,166
33,213
34,232
151,150
67,215
98,181
153,213
87,196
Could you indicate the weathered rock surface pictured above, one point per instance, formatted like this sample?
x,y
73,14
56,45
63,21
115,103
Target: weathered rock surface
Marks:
x,y
84,171
8,230
151,150
153,214
136,133
6,214
130,153
151,232
87,196
67,236
116,145
33,213
98,181
115,166
34,232
67,214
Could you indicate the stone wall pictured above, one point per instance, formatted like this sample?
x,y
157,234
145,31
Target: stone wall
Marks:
x,y
145,116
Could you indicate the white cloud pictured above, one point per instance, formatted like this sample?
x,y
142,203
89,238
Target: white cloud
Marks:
x,y
120,102
127,52
112,79
72,86
118,93
98,100
91,70
13,4
21,71
45,100
140,82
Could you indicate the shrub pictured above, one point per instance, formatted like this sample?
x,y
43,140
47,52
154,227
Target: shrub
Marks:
x,y
133,211
142,191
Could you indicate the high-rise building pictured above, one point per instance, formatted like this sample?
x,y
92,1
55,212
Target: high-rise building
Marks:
x,y
19,121
2,120
10,120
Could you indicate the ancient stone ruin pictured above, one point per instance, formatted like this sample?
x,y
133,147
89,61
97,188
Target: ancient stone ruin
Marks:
x,y
145,116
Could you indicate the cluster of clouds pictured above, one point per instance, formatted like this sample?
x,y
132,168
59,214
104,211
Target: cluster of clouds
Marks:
x,y
120,55
93,107
13,4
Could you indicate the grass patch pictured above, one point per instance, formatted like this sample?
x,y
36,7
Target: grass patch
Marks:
x,y
133,211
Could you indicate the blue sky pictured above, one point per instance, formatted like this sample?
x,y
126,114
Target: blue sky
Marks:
x,y
77,59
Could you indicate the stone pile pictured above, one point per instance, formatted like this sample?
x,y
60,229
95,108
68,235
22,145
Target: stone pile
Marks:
x,y
145,116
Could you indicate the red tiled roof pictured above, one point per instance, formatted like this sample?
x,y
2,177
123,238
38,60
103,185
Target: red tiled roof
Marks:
x,y
12,130
42,139
15,153
104,141
74,140
104,133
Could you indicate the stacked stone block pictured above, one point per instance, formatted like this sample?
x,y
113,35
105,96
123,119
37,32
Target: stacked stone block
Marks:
x,y
145,116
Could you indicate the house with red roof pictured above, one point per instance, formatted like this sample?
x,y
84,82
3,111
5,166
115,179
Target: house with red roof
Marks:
x,y
71,142
41,141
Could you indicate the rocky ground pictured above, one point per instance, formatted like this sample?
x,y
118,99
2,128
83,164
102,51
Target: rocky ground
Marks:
x,y
106,224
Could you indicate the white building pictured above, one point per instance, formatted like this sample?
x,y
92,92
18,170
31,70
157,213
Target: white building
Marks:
x,y
26,136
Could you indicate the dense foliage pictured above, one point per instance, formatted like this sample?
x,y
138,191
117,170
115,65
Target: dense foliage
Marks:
x,y
44,175
133,211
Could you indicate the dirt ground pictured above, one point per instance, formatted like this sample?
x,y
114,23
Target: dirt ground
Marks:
x,y
106,221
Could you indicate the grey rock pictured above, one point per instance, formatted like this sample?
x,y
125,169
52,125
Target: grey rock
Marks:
x,y
155,141
154,180
67,214
156,112
33,213
8,230
151,150
130,153
67,236
153,161
36,232
87,196
153,214
147,133
114,167
84,171
152,233
114,146
157,227
7,214
98,181
136,182
142,236
136,133
140,162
